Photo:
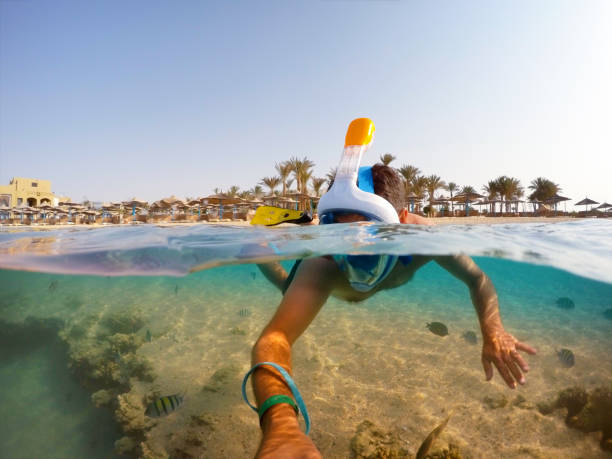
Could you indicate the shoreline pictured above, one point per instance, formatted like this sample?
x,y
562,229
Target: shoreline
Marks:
x,y
479,220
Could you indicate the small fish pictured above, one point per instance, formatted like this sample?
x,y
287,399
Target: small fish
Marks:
x,y
52,286
176,289
470,337
565,303
424,449
253,275
437,328
148,336
244,312
163,406
608,314
566,357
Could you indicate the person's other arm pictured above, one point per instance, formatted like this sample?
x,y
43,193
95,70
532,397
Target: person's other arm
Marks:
x,y
499,347
306,295
275,273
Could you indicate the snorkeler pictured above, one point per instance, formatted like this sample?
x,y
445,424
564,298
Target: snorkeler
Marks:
x,y
357,195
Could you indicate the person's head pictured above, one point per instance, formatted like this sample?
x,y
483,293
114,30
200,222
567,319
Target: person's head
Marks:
x,y
387,184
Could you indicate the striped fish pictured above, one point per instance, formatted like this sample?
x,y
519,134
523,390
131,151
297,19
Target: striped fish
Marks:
x,y
163,406
567,357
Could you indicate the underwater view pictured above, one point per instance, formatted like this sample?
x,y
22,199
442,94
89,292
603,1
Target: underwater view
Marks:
x,y
133,342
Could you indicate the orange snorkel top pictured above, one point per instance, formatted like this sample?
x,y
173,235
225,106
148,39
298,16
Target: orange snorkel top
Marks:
x,y
360,132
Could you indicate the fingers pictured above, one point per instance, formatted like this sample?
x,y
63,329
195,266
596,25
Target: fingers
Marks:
x,y
509,364
521,362
525,347
487,368
504,372
509,360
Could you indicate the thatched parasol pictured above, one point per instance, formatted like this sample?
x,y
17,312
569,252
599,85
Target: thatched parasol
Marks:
x,y
605,205
585,202
466,198
171,201
134,202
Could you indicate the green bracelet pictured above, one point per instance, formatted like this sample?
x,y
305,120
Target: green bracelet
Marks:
x,y
275,400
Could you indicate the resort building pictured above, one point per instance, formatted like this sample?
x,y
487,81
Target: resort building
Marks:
x,y
23,191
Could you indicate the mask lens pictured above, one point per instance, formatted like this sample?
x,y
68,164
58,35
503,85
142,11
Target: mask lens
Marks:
x,y
348,216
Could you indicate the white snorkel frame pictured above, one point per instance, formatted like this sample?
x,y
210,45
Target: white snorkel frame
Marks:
x,y
344,195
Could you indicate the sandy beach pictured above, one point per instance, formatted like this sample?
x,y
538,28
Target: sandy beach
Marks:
x,y
434,221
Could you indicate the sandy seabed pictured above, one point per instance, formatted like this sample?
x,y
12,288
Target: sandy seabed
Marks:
x,y
371,361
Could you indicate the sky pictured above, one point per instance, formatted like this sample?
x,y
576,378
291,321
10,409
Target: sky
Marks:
x,y
113,99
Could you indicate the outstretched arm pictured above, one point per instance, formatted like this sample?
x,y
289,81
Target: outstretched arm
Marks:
x,y
306,295
499,347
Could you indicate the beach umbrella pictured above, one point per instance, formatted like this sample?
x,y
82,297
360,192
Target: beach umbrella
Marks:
x,y
411,196
45,209
466,198
222,199
4,210
196,202
133,203
604,206
554,200
169,203
585,202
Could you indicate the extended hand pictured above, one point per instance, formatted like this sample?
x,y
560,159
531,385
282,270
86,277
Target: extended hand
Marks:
x,y
501,349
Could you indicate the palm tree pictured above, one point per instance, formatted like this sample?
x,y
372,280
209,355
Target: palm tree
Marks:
x,y
418,187
409,172
387,158
492,191
543,189
283,169
467,189
233,191
317,183
433,183
302,171
270,182
256,191
508,188
452,187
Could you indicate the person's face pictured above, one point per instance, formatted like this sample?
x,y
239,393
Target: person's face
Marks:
x,y
349,218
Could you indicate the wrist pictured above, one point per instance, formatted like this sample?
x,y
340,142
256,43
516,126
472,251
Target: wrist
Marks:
x,y
279,415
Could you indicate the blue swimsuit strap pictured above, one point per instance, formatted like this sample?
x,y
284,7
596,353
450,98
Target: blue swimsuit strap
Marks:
x,y
289,380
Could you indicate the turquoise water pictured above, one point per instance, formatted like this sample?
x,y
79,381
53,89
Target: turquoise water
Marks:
x,y
83,354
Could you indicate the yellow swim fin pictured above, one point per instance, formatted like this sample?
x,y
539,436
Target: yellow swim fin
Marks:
x,y
270,216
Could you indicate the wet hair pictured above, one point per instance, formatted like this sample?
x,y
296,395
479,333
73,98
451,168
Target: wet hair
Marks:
x,y
387,184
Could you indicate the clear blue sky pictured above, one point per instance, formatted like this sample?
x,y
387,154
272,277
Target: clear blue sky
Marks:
x,y
115,99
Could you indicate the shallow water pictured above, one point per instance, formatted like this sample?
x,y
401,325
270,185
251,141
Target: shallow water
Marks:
x,y
373,360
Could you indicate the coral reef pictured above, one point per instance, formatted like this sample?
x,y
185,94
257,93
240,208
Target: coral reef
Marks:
x,y
587,412
371,442
123,322
452,452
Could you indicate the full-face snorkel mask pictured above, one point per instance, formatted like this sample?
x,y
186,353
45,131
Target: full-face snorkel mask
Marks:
x,y
364,272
